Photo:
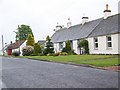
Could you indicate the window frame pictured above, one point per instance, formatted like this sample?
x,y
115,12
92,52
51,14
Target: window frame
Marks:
x,y
109,41
95,42
61,46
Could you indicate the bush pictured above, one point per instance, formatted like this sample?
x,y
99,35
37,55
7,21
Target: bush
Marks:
x,y
37,49
27,50
57,54
48,51
16,53
63,54
84,44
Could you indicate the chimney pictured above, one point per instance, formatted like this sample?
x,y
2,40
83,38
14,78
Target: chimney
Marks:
x,y
10,42
69,23
58,27
84,20
107,12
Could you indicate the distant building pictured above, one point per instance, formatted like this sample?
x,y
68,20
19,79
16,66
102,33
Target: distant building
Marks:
x,y
42,42
102,34
17,46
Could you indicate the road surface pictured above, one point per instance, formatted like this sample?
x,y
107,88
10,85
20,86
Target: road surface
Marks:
x,y
26,73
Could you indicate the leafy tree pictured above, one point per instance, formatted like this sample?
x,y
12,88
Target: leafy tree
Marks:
x,y
23,31
49,46
30,40
84,44
37,49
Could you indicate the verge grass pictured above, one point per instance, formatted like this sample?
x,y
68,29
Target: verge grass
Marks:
x,y
94,60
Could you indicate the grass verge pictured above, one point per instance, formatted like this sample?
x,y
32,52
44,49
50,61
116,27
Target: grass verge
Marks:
x,y
94,60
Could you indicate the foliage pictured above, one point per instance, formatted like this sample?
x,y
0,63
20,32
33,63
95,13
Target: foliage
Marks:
x,y
84,44
48,38
23,31
16,53
37,49
49,46
63,54
68,48
30,40
27,50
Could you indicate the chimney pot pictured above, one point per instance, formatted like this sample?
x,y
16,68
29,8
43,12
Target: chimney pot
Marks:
x,y
69,23
107,12
84,20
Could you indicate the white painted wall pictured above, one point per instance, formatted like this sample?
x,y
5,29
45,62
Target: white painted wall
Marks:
x,y
24,44
75,47
102,45
56,47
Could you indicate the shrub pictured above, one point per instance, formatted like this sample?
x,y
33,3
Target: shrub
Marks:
x,y
48,51
37,49
16,53
84,44
63,54
27,50
57,54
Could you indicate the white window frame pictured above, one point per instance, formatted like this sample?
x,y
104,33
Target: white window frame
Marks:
x,y
61,45
107,41
96,48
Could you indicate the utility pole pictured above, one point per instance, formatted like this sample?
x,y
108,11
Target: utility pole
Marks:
x,y
3,45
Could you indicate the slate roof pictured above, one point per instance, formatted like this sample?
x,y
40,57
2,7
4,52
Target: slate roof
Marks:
x,y
75,32
90,29
16,45
107,26
42,41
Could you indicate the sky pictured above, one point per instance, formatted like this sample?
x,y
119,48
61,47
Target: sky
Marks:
x,y
42,15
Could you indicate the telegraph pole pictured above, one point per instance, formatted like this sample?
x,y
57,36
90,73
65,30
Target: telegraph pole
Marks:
x,y
3,45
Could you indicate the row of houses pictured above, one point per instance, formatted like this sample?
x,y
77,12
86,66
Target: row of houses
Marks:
x,y
103,34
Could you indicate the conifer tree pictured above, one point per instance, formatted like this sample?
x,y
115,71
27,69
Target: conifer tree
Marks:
x,y
30,40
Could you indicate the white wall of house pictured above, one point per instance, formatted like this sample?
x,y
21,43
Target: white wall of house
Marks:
x,y
24,44
56,47
102,45
75,47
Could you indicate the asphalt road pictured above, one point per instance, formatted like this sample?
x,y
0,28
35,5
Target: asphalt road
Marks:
x,y
26,73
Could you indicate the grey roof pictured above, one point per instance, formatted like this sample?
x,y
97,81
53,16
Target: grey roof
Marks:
x,y
107,26
75,32
42,41
90,29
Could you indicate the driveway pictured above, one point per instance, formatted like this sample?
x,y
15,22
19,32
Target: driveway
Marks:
x,y
27,73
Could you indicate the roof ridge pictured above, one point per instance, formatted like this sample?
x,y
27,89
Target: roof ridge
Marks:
x,y
95,28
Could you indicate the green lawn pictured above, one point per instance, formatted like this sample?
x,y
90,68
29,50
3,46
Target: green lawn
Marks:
x,y
94,60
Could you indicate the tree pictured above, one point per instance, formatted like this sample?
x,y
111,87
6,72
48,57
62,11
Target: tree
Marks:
x,y
49,46
37,49
84,44
67,48
48,38
23,31
30,40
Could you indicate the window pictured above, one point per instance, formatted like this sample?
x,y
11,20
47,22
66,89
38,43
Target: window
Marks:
x,y
61,45
96,43
109,42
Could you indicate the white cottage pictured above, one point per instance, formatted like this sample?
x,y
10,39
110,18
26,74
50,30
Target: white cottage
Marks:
x,y
103,34
17,46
